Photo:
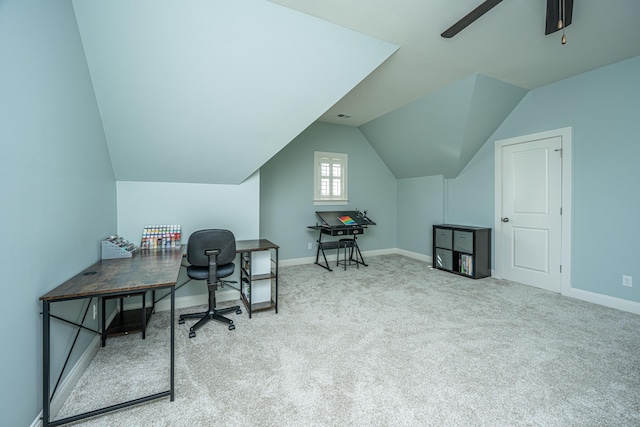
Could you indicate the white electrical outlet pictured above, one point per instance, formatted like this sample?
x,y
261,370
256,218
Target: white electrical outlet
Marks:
x,y
627,281
310,246
95,311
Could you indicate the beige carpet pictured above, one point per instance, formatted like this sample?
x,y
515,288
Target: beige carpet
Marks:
x,y
392,344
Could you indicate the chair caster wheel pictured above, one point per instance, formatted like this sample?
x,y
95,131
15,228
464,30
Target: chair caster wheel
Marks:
x,y
232,327
192,334
238,311
181,321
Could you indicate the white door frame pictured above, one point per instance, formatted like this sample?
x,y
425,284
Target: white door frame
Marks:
x,y
565,135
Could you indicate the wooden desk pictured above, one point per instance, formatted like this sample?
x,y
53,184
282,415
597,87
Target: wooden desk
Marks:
x,y
147,270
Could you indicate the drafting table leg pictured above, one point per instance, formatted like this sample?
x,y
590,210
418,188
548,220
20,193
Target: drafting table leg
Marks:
x,y
361,261
321,248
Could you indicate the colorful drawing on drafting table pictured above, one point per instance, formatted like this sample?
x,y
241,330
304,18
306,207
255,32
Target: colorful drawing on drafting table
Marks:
x,y
346,220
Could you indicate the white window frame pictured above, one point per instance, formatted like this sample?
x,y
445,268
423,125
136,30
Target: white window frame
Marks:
x,y
320,157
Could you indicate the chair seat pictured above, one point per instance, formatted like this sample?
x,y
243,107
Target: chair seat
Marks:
x,y
346,243
202,273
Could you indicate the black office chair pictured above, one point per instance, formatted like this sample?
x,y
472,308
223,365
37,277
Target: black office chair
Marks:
x,y
211,254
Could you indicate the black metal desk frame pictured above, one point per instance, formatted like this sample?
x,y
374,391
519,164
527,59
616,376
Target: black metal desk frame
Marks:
x,y
53,297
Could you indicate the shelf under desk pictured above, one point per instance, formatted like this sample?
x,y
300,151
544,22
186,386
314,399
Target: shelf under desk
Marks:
x,y
127,321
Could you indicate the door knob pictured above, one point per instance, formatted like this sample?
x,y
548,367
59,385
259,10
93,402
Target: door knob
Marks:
x,y
505,219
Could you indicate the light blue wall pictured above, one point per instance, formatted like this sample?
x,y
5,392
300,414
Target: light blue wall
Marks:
x,y
602,108
470,196
420,205
218,206
286,190
57,190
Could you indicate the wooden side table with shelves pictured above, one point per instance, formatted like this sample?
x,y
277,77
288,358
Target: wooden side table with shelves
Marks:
x,y
258,274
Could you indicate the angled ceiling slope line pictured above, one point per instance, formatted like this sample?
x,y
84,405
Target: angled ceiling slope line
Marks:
x,y
207,91
439,133
491,103
422,138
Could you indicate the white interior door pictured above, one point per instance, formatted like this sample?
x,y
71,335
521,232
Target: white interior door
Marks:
x,y
530,216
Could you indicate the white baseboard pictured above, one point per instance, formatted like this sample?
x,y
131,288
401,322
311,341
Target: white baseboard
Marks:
x,y
606,300
592,297
222,295
415,255
70,381
296,261
331,256
68,384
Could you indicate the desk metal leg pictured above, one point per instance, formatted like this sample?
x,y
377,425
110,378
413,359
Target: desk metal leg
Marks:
x,y
46,367
46,372
144,315
276,280
173,340
103,317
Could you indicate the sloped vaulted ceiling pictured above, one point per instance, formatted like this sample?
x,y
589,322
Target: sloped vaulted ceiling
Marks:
x,y
206,91
439,133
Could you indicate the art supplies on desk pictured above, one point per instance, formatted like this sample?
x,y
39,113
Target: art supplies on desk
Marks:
x,y
347,220
161,237
114,247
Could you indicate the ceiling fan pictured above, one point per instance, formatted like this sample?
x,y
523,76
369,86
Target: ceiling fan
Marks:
x,y
558,15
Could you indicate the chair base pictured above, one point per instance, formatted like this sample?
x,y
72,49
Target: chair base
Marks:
x,y
211,314
348,245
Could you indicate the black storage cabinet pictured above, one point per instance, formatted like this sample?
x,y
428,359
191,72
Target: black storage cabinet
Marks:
x,y
463,250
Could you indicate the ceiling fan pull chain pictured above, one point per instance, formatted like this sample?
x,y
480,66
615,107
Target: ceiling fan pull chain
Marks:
x,y
562,19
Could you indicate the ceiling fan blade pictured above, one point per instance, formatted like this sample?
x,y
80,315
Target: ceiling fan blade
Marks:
x,y
554,14
471,17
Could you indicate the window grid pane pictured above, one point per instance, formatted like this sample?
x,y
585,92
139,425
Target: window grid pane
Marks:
x,y
336,188
331,176
324,187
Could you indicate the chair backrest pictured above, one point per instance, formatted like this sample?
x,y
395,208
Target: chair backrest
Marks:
x,y
203,240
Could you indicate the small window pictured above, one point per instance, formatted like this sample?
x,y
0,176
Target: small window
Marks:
x,y
330,178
